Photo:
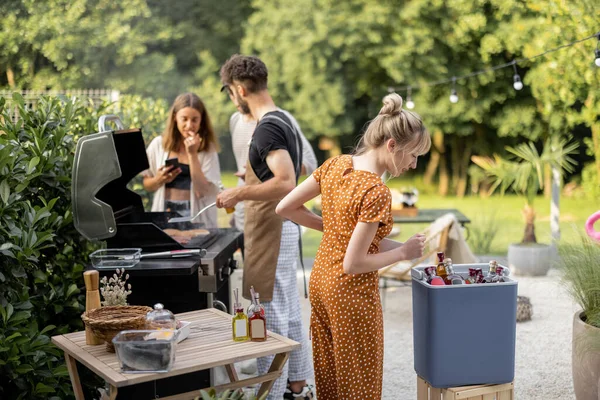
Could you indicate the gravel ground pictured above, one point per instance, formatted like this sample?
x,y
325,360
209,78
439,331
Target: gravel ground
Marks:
x,y
543,350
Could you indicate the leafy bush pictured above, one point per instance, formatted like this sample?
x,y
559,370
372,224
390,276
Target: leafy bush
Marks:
x,y
590,182
482,233
42,255
142,112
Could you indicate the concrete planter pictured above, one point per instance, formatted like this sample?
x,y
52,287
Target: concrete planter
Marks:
x,y
585,359
532,259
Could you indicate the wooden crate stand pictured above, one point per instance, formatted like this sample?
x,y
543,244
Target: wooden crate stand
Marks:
x,y
477,392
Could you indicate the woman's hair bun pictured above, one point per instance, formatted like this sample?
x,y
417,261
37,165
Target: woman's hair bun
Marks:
x,y
392,104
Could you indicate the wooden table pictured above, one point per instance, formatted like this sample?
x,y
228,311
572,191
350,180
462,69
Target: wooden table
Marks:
x,y
428,215
208,345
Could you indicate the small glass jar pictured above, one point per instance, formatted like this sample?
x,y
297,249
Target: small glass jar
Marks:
x,y
160,318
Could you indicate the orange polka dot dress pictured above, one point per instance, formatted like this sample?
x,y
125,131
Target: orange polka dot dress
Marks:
x,y
346,314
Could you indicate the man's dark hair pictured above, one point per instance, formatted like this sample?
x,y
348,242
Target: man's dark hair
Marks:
x,y
249,70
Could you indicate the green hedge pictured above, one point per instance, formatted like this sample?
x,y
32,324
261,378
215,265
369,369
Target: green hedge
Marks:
x,y
42,256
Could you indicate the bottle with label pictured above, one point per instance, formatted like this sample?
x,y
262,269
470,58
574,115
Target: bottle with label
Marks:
x,y
429,274
452,278
258,323
479,273
239,322
500,275
491,275
440,270
472,278
240,325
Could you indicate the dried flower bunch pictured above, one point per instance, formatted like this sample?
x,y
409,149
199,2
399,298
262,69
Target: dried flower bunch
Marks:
x,y
115,290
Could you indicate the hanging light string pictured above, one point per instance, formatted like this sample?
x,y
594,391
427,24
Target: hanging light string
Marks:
x,y
513,63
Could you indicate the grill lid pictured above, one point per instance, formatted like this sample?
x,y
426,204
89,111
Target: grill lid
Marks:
x,y
104,164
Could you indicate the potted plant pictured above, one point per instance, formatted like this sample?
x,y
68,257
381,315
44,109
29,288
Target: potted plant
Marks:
x,y
524,174
580,266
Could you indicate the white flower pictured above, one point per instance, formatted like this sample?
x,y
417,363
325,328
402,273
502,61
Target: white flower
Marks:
x,y
114,290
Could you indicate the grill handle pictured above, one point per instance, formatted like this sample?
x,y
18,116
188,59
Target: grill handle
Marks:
x,y
219,305
112,118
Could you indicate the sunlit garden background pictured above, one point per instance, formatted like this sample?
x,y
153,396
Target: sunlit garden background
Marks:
x,y
330,64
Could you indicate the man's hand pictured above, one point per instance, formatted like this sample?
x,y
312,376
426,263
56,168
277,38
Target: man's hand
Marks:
x,y
228,198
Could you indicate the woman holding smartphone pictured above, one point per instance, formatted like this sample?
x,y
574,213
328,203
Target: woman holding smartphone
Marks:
x,y
184,171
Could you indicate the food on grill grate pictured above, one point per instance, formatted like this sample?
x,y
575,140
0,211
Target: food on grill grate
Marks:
x,y
184,237
187,233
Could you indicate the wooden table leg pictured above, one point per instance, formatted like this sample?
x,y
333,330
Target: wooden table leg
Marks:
x,y
74,375
113,392
277,365
422,389
435,393
231,373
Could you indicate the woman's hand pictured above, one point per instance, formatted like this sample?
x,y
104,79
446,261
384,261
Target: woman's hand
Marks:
x,y
413,247
192,144
166,174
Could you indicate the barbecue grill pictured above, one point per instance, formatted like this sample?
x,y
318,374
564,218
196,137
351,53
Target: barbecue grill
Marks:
x,y
105,209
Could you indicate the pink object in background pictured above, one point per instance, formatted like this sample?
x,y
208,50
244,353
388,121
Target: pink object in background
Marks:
x,y
589,226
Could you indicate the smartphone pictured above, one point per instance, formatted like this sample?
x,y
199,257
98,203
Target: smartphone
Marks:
x,y
172,162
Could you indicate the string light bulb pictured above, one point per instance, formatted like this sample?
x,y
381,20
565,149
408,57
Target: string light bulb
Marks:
x,y
453,94
409,103
517,83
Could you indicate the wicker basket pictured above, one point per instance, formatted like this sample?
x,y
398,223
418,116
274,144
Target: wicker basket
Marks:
x,y
106,322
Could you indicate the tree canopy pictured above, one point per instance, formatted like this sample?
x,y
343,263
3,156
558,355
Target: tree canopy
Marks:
x,y
330,63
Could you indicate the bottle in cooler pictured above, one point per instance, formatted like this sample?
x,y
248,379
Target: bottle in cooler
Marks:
x,y
440,270
452,278
491,275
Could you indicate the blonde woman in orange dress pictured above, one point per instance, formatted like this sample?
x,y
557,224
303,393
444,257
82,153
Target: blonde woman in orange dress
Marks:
x,y
346,317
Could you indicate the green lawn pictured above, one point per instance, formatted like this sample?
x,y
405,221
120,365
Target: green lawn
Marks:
x,y
504,211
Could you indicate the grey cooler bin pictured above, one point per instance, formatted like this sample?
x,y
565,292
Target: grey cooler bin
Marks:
x,y
464,334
